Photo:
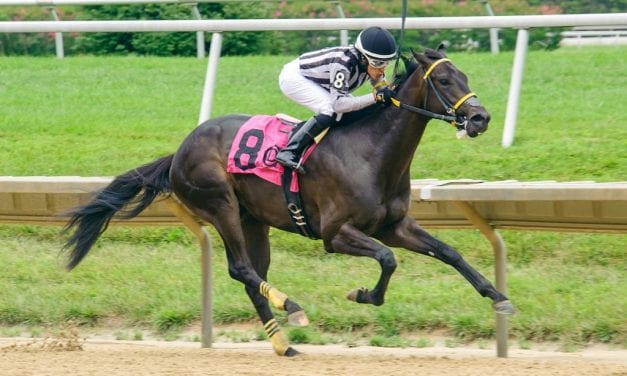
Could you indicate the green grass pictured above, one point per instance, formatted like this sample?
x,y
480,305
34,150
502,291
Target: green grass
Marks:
x,y
102,116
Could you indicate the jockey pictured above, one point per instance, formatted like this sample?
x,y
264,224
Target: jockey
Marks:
x,y
323,80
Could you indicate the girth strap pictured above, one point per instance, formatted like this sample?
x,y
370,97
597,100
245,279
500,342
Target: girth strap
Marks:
x,y
295,206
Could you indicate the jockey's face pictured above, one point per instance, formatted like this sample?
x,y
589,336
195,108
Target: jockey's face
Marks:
x,y
375,73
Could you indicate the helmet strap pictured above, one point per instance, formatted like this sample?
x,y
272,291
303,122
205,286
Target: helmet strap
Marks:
x,y
363,61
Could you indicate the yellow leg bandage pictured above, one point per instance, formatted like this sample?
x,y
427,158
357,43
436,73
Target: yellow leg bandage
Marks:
x,y
276,297
277,339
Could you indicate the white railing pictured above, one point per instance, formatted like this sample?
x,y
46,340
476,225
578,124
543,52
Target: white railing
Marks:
x,y
594,35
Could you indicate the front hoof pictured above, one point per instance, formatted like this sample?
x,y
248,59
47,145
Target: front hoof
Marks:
x,y
504,307
291,352
298,318
358,295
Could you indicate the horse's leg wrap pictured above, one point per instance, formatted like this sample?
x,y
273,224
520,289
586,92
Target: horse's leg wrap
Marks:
x,y
274,296
296,315
280,345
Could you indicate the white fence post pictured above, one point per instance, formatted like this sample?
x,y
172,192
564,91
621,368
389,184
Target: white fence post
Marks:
x,y
58,37
200,35
210,78
494,32
514,88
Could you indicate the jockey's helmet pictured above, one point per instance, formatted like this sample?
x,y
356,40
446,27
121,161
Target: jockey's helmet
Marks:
x,y
377,45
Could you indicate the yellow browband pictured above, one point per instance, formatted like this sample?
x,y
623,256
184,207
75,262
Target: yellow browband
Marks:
x,y
428,72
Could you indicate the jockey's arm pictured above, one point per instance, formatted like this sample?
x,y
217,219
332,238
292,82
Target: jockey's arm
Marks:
x,y
341,99
349,103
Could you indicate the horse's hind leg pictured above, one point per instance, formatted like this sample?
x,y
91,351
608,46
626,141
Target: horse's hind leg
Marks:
x,y
209,194
407,234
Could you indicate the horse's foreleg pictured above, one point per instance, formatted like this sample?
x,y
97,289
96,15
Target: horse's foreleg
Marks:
x,y
279,342
351,241
256,236
219,206
240,269
407,234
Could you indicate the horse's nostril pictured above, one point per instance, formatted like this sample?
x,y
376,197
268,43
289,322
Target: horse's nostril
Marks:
x,y
480,118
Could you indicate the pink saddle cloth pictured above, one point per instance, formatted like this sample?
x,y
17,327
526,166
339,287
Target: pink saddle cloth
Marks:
x,y
256,145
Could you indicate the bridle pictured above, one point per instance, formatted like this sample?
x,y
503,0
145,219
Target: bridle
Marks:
x,y
459,121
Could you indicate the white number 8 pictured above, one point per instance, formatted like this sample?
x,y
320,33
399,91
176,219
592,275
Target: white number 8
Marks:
x,y
339,80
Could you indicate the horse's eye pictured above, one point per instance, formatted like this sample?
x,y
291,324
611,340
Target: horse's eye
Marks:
x,y
443,81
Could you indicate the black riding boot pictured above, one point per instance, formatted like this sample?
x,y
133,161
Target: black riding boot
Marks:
x,y
300,139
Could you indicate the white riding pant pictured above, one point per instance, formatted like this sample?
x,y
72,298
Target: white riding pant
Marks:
x,y
304,91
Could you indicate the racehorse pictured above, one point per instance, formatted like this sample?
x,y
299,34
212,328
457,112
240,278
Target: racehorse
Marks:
x,y
356,192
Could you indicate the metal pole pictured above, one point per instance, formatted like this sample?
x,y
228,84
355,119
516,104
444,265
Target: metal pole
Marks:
x,y
58,37
500,263
200,35
210,78
343,33
494,32
514,88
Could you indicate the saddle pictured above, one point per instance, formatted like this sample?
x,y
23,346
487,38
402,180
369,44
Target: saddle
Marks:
x,y
254,150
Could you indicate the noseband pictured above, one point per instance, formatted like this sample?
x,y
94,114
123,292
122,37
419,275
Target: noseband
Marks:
x,y
459,121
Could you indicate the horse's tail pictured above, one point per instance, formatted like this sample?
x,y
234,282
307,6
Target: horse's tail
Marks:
x,y
129,194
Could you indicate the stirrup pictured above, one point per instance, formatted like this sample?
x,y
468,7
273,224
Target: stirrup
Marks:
x,y
297,166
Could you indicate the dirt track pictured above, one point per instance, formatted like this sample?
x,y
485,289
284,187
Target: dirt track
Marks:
x,y
187,358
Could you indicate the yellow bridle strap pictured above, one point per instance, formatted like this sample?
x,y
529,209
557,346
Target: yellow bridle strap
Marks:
x,y
463,99
428,72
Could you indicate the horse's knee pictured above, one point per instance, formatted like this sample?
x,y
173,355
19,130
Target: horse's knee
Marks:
x,y
233,273
241,273
387,261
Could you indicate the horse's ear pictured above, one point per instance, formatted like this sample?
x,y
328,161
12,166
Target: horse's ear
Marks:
x,y
442,49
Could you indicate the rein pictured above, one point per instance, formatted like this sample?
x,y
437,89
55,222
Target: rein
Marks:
x,y
458,121
400,42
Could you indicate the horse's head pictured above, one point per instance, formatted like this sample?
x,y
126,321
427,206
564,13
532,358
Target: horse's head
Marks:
x,y
446,93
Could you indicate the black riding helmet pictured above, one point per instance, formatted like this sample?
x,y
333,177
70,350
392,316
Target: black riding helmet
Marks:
x,y
377,45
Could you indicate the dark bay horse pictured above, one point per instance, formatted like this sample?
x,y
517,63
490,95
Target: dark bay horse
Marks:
x,y
356,192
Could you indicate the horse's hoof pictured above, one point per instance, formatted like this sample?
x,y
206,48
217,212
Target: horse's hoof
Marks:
x,y
504,307
291,352
357,294
298,318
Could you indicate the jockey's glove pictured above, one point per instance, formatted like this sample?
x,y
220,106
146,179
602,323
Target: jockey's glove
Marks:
x,y
383,95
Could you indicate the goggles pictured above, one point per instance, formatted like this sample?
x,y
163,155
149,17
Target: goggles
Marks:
x,y
376,63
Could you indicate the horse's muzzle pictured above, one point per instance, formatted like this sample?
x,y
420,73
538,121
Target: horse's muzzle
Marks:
x,y
478,119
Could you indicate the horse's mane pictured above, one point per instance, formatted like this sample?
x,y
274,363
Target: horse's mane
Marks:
x,y
406,66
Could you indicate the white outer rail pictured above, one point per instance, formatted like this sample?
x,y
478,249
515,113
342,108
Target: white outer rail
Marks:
x,y
416,23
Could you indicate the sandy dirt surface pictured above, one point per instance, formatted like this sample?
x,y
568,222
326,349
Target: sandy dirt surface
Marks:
x,y
19,356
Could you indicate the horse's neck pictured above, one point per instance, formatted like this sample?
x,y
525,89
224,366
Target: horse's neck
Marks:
x,y
397,132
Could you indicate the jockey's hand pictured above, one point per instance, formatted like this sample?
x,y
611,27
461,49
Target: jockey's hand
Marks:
x,y
383,95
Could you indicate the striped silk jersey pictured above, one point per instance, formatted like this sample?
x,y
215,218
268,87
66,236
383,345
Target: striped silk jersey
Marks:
x,y
336,69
